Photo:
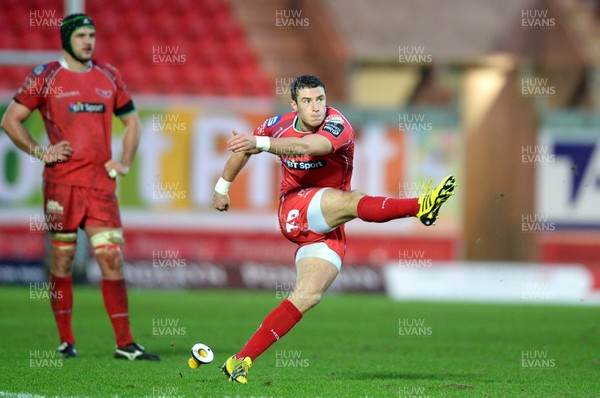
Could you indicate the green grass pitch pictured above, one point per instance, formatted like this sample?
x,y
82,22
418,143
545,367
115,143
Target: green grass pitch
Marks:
x,y
348,346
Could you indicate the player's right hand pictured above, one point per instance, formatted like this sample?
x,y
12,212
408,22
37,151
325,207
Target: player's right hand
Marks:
x,y
57,153
220,202
241,142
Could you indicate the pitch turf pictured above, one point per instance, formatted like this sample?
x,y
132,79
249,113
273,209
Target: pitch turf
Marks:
x,y
349,346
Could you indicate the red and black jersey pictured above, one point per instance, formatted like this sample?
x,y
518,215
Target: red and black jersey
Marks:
x,y
333,170
78,107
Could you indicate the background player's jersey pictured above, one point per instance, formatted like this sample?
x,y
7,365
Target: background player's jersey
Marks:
x,y
332,170
78,107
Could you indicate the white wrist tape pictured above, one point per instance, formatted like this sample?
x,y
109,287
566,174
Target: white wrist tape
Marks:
x,y
263,143
222,186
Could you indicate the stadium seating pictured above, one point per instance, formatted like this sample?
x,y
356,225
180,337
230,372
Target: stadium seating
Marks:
x,y
211,55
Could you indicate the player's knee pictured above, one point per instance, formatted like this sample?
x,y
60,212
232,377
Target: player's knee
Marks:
x,y
107,241
63,241
63,257
353,198
110,261
107,247
61,262
63,252
349,201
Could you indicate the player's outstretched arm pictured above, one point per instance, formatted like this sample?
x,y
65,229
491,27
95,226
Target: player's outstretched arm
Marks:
x,y
131,141
234,165
309,145
12,123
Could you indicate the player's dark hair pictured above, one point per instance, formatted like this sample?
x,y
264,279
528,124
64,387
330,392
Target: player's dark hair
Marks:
x,y
305,81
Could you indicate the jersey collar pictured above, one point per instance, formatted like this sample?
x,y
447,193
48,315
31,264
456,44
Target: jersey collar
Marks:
x,y
64,64
295,123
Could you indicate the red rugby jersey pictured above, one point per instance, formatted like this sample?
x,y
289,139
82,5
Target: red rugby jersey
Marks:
x,y
333,170
78,107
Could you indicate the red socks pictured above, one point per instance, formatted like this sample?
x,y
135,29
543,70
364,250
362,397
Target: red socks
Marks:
x,y
115,301
61,301
280,321
114,294
382,209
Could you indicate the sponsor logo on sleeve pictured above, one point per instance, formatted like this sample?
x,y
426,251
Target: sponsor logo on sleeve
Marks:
x,y
39,70
334,128
272,121
334,125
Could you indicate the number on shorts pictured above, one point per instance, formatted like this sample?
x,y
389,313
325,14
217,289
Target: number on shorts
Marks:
x,y
291,222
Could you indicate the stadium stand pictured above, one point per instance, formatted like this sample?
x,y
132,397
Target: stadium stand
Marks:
x,y
284,33
203,49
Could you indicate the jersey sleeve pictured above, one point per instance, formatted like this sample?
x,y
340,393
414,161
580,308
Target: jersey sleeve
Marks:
x,y
123,102
266,128
31,93
337,130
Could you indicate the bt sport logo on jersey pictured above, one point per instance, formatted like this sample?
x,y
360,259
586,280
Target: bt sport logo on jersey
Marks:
x,y
86,107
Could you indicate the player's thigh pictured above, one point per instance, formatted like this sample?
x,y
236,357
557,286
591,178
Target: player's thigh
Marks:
x,y
64,208
300,217
102,209
103,220
107,242
316,211
318,263
339,207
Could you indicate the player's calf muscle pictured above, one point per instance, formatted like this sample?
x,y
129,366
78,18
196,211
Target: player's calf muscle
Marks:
x,y
304,301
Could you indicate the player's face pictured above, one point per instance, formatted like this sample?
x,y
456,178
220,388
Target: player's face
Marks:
x,y
310,106
83,42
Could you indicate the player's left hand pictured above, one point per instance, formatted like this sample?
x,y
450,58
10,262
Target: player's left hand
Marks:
x,y
241,142
117,167
220,202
